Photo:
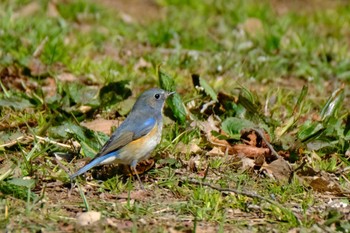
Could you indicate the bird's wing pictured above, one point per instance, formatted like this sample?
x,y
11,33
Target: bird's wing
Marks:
x,y
127,134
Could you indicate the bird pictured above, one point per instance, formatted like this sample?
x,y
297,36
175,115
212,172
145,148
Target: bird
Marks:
x,y
138,135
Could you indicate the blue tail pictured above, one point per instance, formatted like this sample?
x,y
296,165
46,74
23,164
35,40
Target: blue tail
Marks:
x,y
93,163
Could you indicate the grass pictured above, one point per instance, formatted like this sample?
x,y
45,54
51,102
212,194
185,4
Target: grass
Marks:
x,y
281,67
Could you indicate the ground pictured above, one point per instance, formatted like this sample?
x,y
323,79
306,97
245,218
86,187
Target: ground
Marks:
x,y
256,138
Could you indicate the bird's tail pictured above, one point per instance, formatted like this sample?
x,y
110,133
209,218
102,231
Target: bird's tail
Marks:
x,y
97,161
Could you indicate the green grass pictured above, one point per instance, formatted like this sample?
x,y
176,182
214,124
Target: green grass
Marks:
x,y
281,67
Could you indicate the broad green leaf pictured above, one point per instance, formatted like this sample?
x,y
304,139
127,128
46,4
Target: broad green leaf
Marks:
x,y
310,130
174,101
18,191
16,102
233,126
333,104
208,89
83,95
29,183
114,92
90,141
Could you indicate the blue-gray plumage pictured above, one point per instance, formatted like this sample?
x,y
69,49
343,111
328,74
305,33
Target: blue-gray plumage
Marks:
x,y
137,136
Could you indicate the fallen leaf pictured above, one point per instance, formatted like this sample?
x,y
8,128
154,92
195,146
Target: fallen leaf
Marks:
x,y
207,127
88,218
249,151
66,77
320,184
216,151
321,181
279,169
246,163
49,87
191,148
37,68
193,163
101,125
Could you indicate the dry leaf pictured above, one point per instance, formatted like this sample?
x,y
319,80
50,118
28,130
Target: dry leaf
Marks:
x,y
247,163
36,67
191,148
49,87
322,181
66,77
207,127
249,151
101,125
278,169
216,151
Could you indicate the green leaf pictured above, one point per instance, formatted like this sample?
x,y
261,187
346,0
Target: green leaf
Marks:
x,y
310,130
83,95
198,81
174,101
233,126
16,102
114,92
89,140
29,183
333,104
208,89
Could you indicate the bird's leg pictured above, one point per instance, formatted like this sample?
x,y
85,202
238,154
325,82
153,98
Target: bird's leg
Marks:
x,y
133,169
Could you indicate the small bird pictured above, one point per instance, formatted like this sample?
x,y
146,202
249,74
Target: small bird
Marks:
x,y
137,136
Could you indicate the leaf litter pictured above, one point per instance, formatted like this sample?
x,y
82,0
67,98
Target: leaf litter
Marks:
x,y
227,124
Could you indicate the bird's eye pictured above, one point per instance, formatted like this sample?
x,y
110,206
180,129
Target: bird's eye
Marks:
x,y
157,96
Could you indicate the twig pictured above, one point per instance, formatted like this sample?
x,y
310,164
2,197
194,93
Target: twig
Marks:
x,y
207,105
31,138
261,134
13,142
52,142
64,168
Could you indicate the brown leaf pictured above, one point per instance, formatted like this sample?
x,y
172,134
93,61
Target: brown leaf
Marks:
x,y
279,169
37,68
66,77
246,163
260,160
320,184
49,87
249,151
321,181
216,151
191,148
207,127
101,125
